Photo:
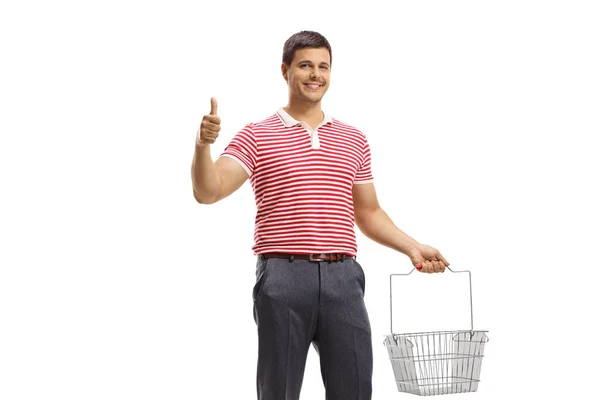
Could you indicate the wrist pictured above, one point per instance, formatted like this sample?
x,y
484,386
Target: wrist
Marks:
x,y
200,145
414,250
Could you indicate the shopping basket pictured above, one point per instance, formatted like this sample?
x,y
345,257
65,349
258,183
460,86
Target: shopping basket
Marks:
x,y
432,363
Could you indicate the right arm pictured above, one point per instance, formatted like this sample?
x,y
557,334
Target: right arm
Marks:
x,y
213,181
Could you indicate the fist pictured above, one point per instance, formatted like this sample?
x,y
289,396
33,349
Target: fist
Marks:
x,y
428,259
210,126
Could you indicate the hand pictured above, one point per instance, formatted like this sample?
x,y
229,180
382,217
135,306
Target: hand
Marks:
x,y
210,126
427,259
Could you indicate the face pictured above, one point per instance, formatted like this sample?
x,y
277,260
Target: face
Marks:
x,y
308,74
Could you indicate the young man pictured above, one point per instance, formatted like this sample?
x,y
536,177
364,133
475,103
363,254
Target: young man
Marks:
x,y
311,176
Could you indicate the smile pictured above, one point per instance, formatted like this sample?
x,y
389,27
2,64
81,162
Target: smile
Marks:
x,y
314,86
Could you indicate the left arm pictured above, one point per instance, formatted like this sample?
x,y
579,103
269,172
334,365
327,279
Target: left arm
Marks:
x,y
375,224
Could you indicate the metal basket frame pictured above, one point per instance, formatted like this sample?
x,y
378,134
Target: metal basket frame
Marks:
x,y
440,362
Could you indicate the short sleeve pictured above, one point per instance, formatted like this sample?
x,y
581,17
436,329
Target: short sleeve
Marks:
x,y
364,174
242,149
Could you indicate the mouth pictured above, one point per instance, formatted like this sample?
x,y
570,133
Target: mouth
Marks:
x,y
314,86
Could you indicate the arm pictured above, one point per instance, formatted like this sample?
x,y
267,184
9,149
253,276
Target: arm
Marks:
x,y
213,181
375,224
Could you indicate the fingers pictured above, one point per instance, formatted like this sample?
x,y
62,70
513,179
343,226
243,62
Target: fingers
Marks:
x,y
440,257
210,126
434,258
430,266
213,106
208,139
439,266
441,262
206,136
426,267
446,263
214,119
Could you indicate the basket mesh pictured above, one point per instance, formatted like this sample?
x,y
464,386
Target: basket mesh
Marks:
x,y
433,363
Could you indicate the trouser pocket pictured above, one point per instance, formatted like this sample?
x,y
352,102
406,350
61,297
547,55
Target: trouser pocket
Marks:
x,y
361,277
261,274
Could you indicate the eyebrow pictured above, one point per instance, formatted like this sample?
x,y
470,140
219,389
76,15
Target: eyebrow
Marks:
x,y
310,62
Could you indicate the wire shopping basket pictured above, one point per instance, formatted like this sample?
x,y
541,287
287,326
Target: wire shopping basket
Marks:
x,y
432,363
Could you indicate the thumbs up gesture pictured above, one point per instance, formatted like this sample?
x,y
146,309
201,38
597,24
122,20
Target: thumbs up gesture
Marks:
x,y
210,126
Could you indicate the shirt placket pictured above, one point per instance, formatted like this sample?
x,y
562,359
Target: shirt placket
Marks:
x,y
314,134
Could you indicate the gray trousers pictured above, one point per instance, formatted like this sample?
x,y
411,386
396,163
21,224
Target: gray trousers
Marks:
x,y
300,302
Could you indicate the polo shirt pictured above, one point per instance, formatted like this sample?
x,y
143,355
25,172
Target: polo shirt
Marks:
x,y
302,181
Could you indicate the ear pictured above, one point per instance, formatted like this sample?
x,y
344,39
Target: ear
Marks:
x,y
284,71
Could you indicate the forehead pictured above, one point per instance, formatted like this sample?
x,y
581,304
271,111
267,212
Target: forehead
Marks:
x,y
317,56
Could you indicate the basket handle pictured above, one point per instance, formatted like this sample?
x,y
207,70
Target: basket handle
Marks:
x,y
411,271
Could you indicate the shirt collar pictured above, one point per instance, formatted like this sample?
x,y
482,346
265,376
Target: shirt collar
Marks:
x,y
289,121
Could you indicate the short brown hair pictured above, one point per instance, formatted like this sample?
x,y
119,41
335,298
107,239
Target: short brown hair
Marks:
x,y
302,40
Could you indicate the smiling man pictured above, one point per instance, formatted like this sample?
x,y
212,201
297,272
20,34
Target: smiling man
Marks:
x,y
312,180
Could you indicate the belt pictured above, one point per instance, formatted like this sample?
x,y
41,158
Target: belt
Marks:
x,y
310,257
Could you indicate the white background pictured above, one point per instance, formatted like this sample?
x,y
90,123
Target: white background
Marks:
x,y
116,284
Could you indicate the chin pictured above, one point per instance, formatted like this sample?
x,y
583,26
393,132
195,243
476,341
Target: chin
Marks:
x,y
313,99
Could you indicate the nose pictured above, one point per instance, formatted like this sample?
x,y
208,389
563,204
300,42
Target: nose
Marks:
x,y
315,73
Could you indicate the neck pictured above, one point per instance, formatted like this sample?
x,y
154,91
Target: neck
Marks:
x,y
304,111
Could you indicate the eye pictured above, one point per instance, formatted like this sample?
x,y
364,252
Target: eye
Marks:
x,y
325,67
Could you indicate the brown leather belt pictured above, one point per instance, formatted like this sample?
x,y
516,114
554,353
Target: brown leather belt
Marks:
x,y
310,257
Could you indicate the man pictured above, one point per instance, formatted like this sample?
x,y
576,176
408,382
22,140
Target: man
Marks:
x,y
311,176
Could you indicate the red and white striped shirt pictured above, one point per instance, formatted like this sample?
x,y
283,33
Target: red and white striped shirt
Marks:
x,y
302,181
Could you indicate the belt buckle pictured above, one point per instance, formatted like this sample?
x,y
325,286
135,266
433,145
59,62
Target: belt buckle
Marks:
x,y
311,258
